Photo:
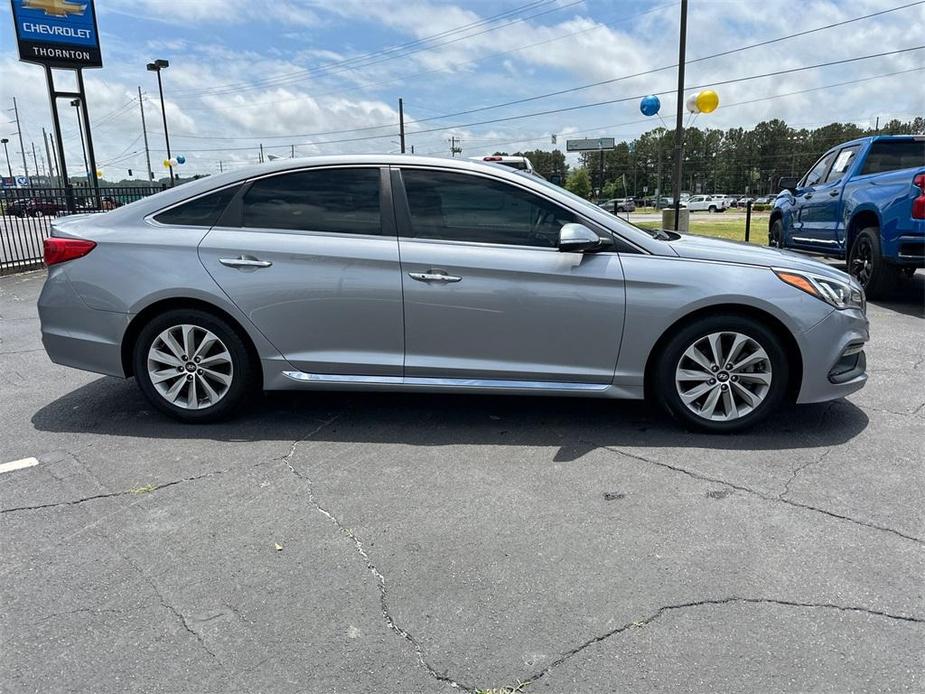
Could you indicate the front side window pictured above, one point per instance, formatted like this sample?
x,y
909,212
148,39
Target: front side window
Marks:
x,y
335,200
461,207
844,159
818,171
203,211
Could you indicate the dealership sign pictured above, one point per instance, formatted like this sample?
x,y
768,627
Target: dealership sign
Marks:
x,y
57,33
589,144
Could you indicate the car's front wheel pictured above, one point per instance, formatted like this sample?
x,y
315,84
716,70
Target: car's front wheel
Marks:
x,y
776,234
193,366
722,374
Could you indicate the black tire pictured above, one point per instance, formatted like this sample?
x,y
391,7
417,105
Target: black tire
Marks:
x,y
776,234
865,262
38,213
712,208
244,371
666,393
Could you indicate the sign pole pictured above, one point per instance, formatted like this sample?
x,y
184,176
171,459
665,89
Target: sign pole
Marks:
x,y
679,125
59,142
86,119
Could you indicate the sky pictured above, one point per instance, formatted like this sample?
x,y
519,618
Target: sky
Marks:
x,y
315,76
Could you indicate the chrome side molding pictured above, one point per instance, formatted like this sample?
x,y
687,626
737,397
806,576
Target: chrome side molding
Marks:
x,y
303,377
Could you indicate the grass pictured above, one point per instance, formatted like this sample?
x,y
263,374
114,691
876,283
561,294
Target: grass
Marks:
x,y
730,227
146,489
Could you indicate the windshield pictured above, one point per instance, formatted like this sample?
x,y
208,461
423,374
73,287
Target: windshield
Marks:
x,y
654,233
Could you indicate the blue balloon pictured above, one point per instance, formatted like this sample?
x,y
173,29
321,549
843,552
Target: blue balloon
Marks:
x,y
650,105
182,160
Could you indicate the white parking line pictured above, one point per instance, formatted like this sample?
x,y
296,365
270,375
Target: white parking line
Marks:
x,y
18,464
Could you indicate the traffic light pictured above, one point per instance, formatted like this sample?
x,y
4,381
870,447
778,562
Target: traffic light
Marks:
x,y
130,173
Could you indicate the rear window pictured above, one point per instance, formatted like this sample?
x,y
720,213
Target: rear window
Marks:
x,y
199,212
519,165
892,155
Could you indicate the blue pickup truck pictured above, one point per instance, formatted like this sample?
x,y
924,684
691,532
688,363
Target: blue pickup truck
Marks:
x,y
863,201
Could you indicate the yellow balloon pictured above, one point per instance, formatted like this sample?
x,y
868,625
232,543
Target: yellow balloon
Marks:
x,y
167,163
707,101
99,174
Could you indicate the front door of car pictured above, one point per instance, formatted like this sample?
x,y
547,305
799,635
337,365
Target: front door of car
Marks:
x,y
822,212
312,258
811,203
488,296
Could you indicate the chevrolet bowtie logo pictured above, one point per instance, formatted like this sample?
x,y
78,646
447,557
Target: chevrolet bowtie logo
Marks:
x,y
56,8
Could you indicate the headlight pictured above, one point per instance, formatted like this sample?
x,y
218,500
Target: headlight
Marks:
x,y
841,295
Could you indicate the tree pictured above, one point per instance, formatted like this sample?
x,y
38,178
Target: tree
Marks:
x,y
579,183
546,163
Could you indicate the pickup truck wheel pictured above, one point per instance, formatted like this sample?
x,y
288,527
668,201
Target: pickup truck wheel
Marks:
x,y
866,263
776,234
712,208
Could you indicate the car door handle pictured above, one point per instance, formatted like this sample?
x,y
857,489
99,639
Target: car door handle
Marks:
x,y
433,277
833,193
807,196
244,262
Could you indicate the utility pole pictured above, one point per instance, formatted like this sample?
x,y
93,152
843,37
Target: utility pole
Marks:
x,y
62,176
454,148
679,123
51,171
149,174
401,123
261,153
9,166
22,147
35,159
292,151
221,169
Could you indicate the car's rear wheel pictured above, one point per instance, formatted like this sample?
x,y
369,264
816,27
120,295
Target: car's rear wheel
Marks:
x,y
865,262
38,213
712,208
722,374
193,366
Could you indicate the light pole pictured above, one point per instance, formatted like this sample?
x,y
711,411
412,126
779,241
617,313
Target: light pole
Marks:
x,y
83,147
9,166
157,66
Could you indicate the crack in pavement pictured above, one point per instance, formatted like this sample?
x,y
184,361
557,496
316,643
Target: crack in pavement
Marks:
x,y
370,565
715,602
794,471
109,495
766,497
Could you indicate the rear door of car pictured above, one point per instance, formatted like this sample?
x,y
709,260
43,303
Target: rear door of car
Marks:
x,y
311,257
489,299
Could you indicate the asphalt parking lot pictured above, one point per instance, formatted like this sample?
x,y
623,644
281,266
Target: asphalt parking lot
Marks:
x,y
398,543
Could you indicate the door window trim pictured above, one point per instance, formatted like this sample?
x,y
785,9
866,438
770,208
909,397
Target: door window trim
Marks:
x,y
233,217
403,214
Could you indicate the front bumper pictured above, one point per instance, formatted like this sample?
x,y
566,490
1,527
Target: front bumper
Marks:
x,y
834,363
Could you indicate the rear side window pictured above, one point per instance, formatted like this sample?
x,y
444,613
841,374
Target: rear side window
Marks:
x,y
336,200
461,207
200,212
893,155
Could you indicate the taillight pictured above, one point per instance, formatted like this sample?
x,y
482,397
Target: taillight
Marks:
x,y
58,250
918,205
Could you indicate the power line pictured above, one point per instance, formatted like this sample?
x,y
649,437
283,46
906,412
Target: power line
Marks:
x,y
335,67
580,87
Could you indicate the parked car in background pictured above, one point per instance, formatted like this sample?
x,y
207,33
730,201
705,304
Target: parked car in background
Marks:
x,y
764,200
743,201
409,273
706,203
616,205
863,201
519,163
35,207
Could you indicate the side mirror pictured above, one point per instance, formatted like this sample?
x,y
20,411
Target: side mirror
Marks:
x,y
788,183
577,238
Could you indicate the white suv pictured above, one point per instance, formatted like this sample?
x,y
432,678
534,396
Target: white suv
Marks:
x,y
708,203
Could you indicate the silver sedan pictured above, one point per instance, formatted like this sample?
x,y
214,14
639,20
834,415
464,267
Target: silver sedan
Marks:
x,y
410,273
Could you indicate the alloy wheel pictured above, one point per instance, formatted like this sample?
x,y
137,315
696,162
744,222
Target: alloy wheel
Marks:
x,y
723,376
190,367
862,263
